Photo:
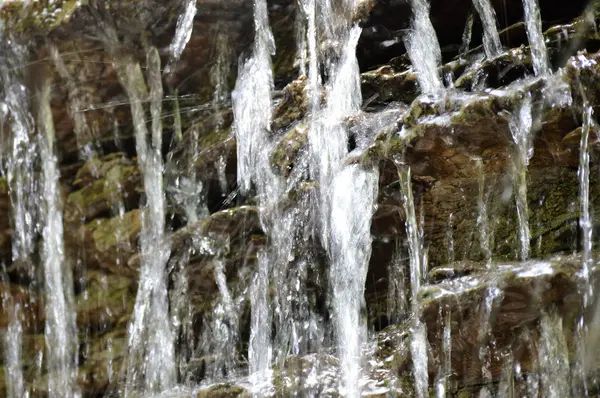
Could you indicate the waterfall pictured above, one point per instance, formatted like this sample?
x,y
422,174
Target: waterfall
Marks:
x,y
60,329
424,49
521,124
539,52
491,38
252,106
347,239
354,198
151,361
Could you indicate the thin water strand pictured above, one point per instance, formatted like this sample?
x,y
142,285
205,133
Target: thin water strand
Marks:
x,y
418,344
585,221
533,23
60,329
521,124
424,49
260,348
491,38
183,34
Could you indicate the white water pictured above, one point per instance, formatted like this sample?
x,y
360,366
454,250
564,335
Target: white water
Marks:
x,y
354,195
150,366
327,136
424,49
183,33
60,330
491,38
539,52
521,124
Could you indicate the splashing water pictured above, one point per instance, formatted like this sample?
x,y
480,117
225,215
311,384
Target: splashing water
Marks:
x,y
521,129
424,49
491,38
60,329
539,52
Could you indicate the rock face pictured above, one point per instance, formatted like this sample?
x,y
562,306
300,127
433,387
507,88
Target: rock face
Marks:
x,y
459,148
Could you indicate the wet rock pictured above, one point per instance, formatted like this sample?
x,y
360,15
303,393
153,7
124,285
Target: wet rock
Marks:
x,y
18,300
110,242
285,154
5,232
105,185
107,299
103,363
223,391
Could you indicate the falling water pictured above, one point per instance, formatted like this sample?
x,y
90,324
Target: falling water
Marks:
x,y
482,216
183,34
491,38
328,136
354,195
585,221
493,296
445,370
553,358
22,152
418,344
539,52
151,361
424,49
252,101
521,129
260,348
252,104
60,329
223,334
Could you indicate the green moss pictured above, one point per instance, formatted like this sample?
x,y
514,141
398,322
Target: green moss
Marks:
x,y
21,16
3,186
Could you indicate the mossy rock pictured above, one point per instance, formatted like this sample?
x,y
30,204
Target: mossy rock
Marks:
x,y
106,300
110,242
105,184
224,390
